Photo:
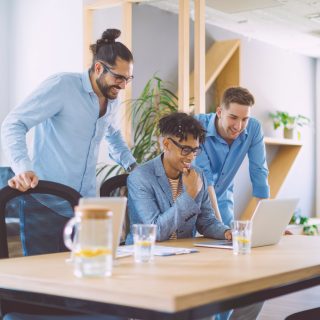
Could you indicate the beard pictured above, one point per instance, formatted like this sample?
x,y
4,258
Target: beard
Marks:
x,y
106,89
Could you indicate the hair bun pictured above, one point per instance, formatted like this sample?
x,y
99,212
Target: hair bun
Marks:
x,y
110,35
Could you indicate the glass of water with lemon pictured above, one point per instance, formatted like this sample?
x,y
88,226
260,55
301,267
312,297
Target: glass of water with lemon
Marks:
x,y
89,236
241,236
144,236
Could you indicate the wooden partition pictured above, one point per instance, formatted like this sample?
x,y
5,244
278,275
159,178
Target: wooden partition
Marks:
x,y
279,168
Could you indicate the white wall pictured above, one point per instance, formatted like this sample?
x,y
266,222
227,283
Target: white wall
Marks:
x,y
4,62
45,37
278,79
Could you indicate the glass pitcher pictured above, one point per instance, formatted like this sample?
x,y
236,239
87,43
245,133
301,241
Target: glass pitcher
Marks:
x,y
91,246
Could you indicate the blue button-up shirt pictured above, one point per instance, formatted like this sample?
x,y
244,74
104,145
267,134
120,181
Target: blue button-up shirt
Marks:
x,y
65,113
221,161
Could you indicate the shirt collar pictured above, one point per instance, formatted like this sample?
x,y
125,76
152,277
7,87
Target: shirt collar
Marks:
x,y
87,86
212,131
86,81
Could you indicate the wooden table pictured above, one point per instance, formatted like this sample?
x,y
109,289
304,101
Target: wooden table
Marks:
x,y
188,286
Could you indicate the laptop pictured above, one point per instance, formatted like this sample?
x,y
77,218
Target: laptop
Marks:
x,y
118,206
269,221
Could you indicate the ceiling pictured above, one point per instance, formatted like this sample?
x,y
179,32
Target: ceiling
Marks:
x,y
290,24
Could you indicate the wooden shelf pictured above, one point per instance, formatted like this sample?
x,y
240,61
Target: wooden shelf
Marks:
x,y
281,142
279,168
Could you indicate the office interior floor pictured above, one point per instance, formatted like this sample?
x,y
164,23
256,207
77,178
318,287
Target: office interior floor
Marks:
x,y
279,308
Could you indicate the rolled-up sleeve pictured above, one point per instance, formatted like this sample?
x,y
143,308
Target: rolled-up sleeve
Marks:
x,y
207,224
258,166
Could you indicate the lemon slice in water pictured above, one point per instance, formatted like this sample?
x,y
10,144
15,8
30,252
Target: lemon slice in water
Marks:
x,y
242,240
91,253
144,243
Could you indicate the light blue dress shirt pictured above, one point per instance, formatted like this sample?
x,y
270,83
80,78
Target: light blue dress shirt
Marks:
x,y
221,162
65,113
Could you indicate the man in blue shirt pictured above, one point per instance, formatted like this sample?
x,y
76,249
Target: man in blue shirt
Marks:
x,y
231,135
168,191
71,114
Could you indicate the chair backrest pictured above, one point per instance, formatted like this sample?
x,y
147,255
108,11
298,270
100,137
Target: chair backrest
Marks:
x,y
114,187
43,187
111,185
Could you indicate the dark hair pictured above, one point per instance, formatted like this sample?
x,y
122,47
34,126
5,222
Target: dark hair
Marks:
x,y
180,124
238,95
108,50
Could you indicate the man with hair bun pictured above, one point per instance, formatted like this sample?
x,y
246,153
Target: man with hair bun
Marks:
x,y
71,114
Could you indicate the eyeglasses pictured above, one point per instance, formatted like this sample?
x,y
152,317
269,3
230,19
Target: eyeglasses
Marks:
x,y
118,77
186,150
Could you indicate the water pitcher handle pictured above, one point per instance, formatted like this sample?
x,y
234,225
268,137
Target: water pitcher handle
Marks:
x,y
67,232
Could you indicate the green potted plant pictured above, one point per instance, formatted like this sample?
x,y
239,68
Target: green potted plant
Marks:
x,y
154,102
289,123
304,222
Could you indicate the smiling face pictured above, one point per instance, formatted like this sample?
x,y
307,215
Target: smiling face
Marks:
x,y
110,80
173,160
232,120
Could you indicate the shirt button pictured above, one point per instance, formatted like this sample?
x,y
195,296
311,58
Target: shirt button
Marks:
x,y
222,173
217,186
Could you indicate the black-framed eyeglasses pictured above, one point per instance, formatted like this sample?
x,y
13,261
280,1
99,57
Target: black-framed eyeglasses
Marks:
x,y
118,77
186,150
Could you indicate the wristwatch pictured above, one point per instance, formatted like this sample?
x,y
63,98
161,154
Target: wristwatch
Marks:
x,y
132,167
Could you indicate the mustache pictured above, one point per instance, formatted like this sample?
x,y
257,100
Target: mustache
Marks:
x,y
114,86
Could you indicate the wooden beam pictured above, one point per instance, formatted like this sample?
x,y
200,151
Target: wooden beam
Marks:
x,y
126,35
199,56
104,4
87,36
216,59
183,77
228,77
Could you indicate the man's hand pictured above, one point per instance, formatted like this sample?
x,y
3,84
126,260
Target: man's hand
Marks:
x,y
192,182
228,235
24,181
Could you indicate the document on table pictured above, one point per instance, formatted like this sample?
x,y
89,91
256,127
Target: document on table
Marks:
x,y
160,250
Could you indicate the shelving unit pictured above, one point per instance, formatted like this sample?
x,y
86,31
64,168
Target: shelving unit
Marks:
x,y
278,168
222,68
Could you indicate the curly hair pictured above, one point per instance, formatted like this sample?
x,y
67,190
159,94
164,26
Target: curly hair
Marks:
x,y
180,124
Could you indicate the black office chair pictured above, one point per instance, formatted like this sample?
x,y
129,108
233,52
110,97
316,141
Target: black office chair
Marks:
x,y
311,314
117,187
44,187
111,186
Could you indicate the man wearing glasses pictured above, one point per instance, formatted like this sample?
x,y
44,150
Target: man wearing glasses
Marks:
x,y
168,191
71,114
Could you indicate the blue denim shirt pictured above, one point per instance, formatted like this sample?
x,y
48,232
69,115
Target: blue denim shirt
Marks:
x,y
150,202
221,162
65,113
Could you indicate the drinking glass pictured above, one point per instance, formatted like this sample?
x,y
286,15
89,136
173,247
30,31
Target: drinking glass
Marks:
x,y
241,236
144,236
